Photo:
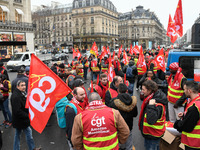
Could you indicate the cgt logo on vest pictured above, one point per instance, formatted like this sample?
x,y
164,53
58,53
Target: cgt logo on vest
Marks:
x,y
97,121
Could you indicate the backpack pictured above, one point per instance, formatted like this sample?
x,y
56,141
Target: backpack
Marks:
x,y
9,86
129,71
60,111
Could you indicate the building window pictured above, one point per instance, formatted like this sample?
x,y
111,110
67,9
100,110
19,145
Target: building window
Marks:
x,y
102,20
18,17
84,30
83,10
76,21
65,24
70,38
66,17
58,18
103,29
92,10
77,31
70,25
92,30
92,20
18,1
84,21
106,30
70,32
69,16
76,11
3,15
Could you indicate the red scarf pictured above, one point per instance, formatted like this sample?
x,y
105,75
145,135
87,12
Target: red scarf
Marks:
x,y
144,104
104,90
117,65
96,104
176,76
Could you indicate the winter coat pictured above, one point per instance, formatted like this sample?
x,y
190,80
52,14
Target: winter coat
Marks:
x,y
127,106
107,96
134,71
20,117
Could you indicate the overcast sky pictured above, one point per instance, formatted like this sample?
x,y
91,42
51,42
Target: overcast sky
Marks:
x,y
162,8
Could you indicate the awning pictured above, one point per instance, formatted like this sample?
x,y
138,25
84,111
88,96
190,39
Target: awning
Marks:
x,y
4,8
19,11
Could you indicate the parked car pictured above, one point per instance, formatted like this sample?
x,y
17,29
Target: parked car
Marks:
x,y
66,50
64,56
56,57
44,51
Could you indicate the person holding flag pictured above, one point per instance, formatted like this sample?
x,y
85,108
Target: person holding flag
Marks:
x,y
94,67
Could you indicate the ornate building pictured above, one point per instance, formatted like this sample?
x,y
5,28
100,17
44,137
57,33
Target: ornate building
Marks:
x,y
54,26
141,27
16,28
94,20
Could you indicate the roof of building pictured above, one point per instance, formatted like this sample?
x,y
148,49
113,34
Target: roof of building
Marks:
x,y
85,3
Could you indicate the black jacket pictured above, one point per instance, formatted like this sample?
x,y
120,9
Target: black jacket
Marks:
x,y
108,96
127,107
19,77
134,71
154,78
154,112
20,117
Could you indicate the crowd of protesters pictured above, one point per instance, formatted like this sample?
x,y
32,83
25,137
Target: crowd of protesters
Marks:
x,y
102,116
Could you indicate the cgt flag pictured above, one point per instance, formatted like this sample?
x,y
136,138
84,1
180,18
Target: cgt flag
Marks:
x,y
171,30
178,19
94,50
160,59
44,89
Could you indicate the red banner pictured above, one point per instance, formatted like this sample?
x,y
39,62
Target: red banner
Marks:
x,y
94,50
171,30
120,51
160,59
45,88
178,19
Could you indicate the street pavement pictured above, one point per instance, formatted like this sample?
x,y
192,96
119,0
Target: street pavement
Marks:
x,y
53,137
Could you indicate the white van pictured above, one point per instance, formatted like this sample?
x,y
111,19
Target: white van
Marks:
x,y
23,59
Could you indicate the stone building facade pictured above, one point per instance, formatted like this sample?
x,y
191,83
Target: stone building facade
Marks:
x,y
16,28
141,27
54,26
94,20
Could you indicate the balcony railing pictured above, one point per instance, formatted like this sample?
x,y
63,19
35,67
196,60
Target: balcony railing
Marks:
x,y
91,34
17,25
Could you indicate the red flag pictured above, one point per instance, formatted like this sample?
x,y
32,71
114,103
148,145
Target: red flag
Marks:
x,y
113,55
92,88
160,59
111,72
131,50
178,19
158,47
74,53
45,88
108,51
97,79
125,58
94,50
103,53
141,62
120,51
171,30
136,50
78,54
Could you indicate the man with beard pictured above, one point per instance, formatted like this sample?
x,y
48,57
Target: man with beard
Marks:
x,y
190,120
77,100
152,115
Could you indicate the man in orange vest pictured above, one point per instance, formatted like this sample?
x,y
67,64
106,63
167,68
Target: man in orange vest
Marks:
x,y
189,124
94,67
112,91
176,96
152,115
70,113
99,127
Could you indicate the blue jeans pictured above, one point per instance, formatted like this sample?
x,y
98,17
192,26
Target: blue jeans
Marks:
x,y
151,144
29,138
6,112
94,76
130,89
